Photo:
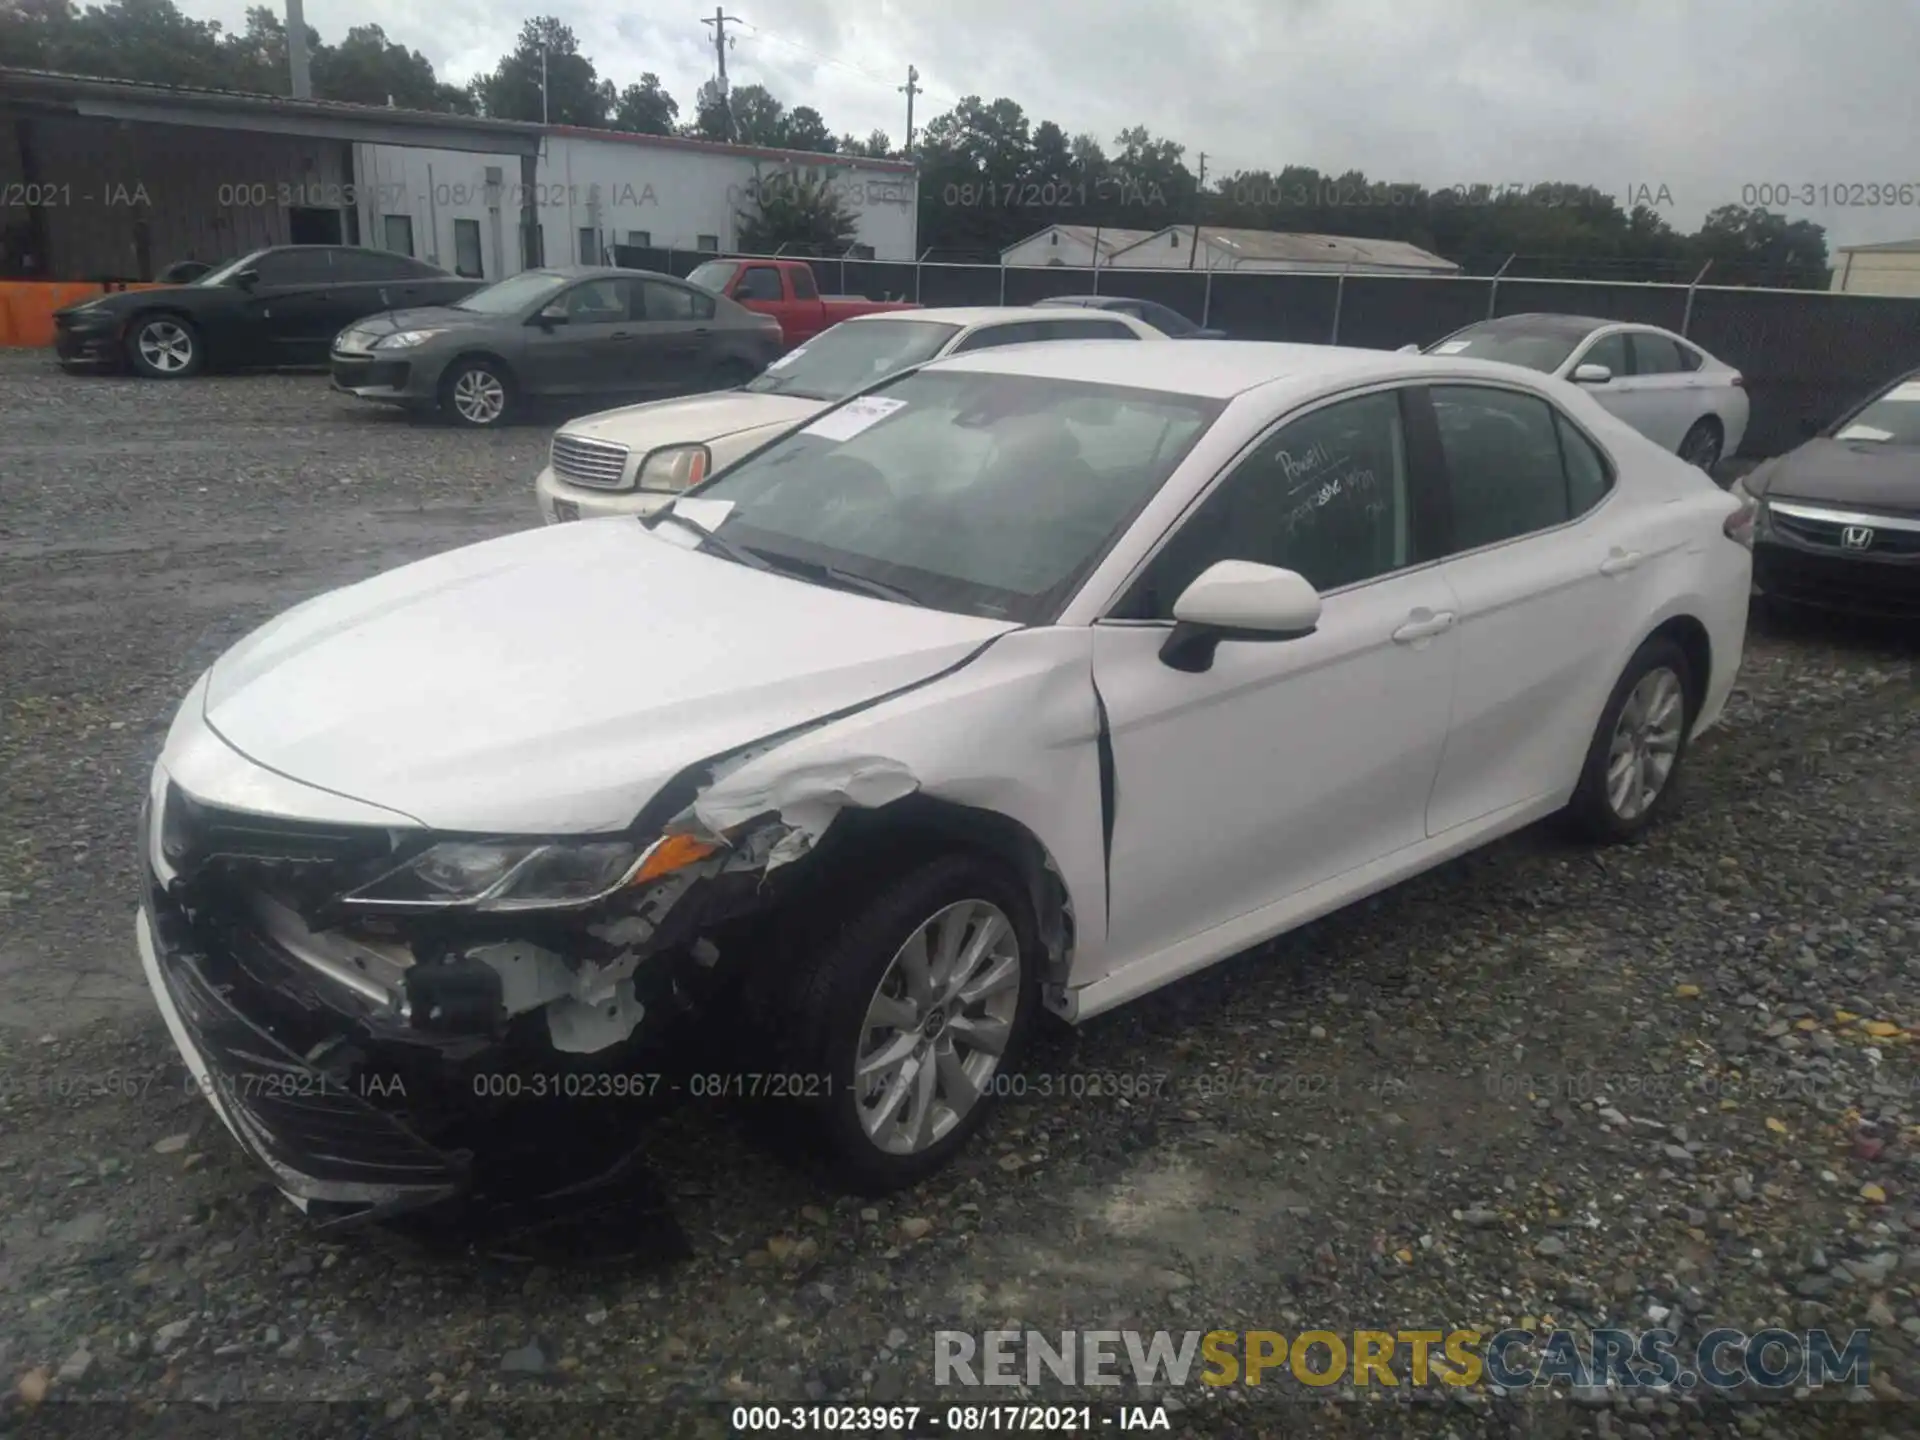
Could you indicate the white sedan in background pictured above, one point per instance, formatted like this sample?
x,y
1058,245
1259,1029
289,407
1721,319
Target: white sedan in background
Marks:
x,y
1662,384
1033,677
633,460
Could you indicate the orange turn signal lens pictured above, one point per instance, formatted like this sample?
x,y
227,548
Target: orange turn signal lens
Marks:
x,y
672,853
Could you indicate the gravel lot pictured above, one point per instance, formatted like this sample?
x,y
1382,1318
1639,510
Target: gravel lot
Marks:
x,y
1537,1083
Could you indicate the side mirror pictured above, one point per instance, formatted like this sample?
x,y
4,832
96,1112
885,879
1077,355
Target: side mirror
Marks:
x,y
1408,350
1238,600
1591,375
247,279
551,316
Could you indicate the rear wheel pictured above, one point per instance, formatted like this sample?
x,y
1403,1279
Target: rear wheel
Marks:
x,y
1633,763
1701,445
164,347
905,1017
477,393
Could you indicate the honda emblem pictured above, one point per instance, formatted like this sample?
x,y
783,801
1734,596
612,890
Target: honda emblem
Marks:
x,y
1856,537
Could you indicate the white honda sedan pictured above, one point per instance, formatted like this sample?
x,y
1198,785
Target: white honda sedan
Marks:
x,y
1662,384
1038,677
634,460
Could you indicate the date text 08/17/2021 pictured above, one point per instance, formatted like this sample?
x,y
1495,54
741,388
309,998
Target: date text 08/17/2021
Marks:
x,y
895,1420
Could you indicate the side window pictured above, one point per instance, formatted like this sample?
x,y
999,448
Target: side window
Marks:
x,y
1087,330
1610,351
803,286
1589,477
759,282
1167,322
598,302
307,265
1503,463
1326,496
1690,358
372,265
661,301
1655,355
995,335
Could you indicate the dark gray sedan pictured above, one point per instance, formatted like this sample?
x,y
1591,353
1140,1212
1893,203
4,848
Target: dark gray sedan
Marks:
x,y
1836,523
579,334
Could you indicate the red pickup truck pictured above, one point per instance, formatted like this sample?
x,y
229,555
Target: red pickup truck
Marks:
x,y
785,289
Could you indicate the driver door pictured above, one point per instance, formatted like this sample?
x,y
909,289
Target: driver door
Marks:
x,y
591,344
1288,762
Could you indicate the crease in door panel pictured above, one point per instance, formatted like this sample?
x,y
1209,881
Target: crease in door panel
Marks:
x,y
1109,797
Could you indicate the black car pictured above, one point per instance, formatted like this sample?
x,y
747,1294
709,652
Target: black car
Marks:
x,y
279,306
1170,323
1837,521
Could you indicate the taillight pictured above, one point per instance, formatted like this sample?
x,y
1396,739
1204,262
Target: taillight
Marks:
x,y
1738,381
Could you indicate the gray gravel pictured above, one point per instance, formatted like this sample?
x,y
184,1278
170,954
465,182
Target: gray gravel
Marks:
x,y
1674,1079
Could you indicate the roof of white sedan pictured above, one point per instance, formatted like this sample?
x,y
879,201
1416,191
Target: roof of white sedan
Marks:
x,y
1215,369
958,315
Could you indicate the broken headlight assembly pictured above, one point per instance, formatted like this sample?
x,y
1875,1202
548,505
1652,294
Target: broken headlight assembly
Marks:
x,y
674,468
507,875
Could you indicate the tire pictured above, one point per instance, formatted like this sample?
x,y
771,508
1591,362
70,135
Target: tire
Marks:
x,y
1597,812
839,990
1700,446
731,375
165,347
478,393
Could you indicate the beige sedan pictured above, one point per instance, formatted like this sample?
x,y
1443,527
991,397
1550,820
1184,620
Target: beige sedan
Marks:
x,y
633,460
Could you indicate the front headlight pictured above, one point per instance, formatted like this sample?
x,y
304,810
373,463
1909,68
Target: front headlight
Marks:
x,y
404,339
499,875
675,468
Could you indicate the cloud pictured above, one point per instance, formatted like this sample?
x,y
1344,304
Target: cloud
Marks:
x,y
1705,97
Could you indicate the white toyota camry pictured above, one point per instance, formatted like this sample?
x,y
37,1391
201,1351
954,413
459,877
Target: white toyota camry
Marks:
x,y
1039,677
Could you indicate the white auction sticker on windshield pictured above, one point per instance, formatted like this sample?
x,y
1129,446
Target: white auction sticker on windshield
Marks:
x,y
1451,347
853,417
1864,432
1905,390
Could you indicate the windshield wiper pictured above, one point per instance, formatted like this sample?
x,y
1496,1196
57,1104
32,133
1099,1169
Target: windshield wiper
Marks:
x,y
733,552
843,579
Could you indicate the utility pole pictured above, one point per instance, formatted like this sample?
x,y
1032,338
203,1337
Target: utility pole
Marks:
x,y
910,89
1199,198
297,50
543,84
719,20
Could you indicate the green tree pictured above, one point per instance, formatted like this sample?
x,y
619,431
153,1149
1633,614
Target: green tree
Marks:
x,y
575,94
806,218
875,147
712,115
646,108
369,69
1755,246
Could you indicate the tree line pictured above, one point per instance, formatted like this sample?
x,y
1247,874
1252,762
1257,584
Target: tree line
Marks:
x,y
989,174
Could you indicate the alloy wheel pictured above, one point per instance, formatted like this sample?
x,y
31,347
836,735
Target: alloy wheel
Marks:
x,y
166,346
1701,447
479,397
938,1023
1646,743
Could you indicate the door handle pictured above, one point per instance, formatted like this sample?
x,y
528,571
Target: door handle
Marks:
x,y
1423,625
1621,561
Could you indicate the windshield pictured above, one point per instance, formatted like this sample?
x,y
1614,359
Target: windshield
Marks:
x,y
715,275
227,271
1543,350
1893,419
512,295
848,358
988,494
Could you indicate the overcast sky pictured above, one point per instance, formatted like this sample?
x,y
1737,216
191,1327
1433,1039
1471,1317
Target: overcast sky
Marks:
x,y
1702,97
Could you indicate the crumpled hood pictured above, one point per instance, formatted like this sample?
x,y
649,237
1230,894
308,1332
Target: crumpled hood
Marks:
x,y
695,419
553,680
1846,472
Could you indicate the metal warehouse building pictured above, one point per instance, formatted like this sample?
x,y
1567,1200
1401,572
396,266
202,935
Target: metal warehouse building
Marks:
x,y
109,180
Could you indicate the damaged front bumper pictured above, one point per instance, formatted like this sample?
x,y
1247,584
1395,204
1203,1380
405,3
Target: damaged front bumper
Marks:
x,y
377,1066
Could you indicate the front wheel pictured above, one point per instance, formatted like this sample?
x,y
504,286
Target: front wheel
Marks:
x,y
165,347
1634,761
908,1014
477,393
